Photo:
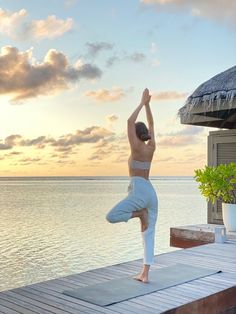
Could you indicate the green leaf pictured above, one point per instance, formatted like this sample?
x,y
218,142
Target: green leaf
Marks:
x,y
217,183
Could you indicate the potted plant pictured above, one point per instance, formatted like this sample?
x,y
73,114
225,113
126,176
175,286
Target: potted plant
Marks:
x,y
219,183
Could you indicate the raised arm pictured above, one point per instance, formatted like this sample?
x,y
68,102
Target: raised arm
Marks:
x,y
149,115
134,115
150,123
133,140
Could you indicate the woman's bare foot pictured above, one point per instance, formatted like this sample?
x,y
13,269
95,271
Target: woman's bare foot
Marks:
x,y
144,219
141,277
142,214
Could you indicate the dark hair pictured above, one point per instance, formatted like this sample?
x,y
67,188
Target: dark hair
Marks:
x,y
142,131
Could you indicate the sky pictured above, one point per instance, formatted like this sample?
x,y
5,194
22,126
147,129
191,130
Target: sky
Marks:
x,y
72,71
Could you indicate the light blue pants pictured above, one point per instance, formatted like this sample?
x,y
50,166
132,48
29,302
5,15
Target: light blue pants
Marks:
x,y
141,194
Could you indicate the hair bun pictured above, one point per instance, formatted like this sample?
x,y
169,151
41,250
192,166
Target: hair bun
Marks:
x,y
145,137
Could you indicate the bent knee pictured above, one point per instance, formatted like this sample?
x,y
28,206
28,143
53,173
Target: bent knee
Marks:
x,y
110,217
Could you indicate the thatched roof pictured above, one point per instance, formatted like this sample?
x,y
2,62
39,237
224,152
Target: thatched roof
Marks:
x,y
213,103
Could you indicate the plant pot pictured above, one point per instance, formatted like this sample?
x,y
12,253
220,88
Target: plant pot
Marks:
x,y
229,216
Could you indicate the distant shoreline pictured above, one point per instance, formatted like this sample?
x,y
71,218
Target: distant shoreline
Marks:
x,y
55,178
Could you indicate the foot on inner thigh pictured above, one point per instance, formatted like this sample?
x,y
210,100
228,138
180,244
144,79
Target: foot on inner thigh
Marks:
x,y
144,219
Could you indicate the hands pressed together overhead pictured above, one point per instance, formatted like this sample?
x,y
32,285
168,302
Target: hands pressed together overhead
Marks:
x,y
146,97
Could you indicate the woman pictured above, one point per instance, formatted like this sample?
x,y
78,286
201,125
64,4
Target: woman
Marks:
x,y
141,201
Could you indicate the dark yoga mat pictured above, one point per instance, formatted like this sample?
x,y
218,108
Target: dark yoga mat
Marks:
x,y
117,290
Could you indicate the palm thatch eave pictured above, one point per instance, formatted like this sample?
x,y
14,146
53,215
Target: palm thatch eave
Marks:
x,y
217,95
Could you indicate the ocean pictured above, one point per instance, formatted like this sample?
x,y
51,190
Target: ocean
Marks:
x,y
55,226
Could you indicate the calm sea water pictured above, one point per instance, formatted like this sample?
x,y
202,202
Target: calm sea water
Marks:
x,y
53,227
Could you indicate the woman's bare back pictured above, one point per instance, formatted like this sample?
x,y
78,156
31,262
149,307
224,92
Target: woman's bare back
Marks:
x,y
138,134
143,153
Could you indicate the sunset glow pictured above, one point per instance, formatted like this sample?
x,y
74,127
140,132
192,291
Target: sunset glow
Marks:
x,y
71,72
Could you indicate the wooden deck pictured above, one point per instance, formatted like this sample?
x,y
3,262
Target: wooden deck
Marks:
x,y
213,294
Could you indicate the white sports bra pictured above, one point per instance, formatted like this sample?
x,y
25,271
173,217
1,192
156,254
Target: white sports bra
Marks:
x,y
143,165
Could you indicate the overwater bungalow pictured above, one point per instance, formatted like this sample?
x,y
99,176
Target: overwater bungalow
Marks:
x,y
213,104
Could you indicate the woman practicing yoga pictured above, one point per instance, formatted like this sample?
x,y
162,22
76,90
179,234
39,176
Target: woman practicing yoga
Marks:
x,y
142,200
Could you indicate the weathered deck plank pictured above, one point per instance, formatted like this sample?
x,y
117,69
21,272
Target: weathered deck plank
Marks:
x,y
4,310
47,296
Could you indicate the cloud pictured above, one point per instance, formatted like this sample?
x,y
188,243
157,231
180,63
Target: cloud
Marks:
x,y
22,77
17,140
169,95
112,60
38,142
12,140
64,144
187,136
99,155
105,95
62,163
49,28
176,141
95,48
89,135
218,10
103,142
14,153
29,160
88,71
190,130
136,57
64,147
122,157
16,26
193,157
4,146
11,22
112,118
186,130
115,147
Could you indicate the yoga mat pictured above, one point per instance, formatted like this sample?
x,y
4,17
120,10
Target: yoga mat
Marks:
x,y
117,290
